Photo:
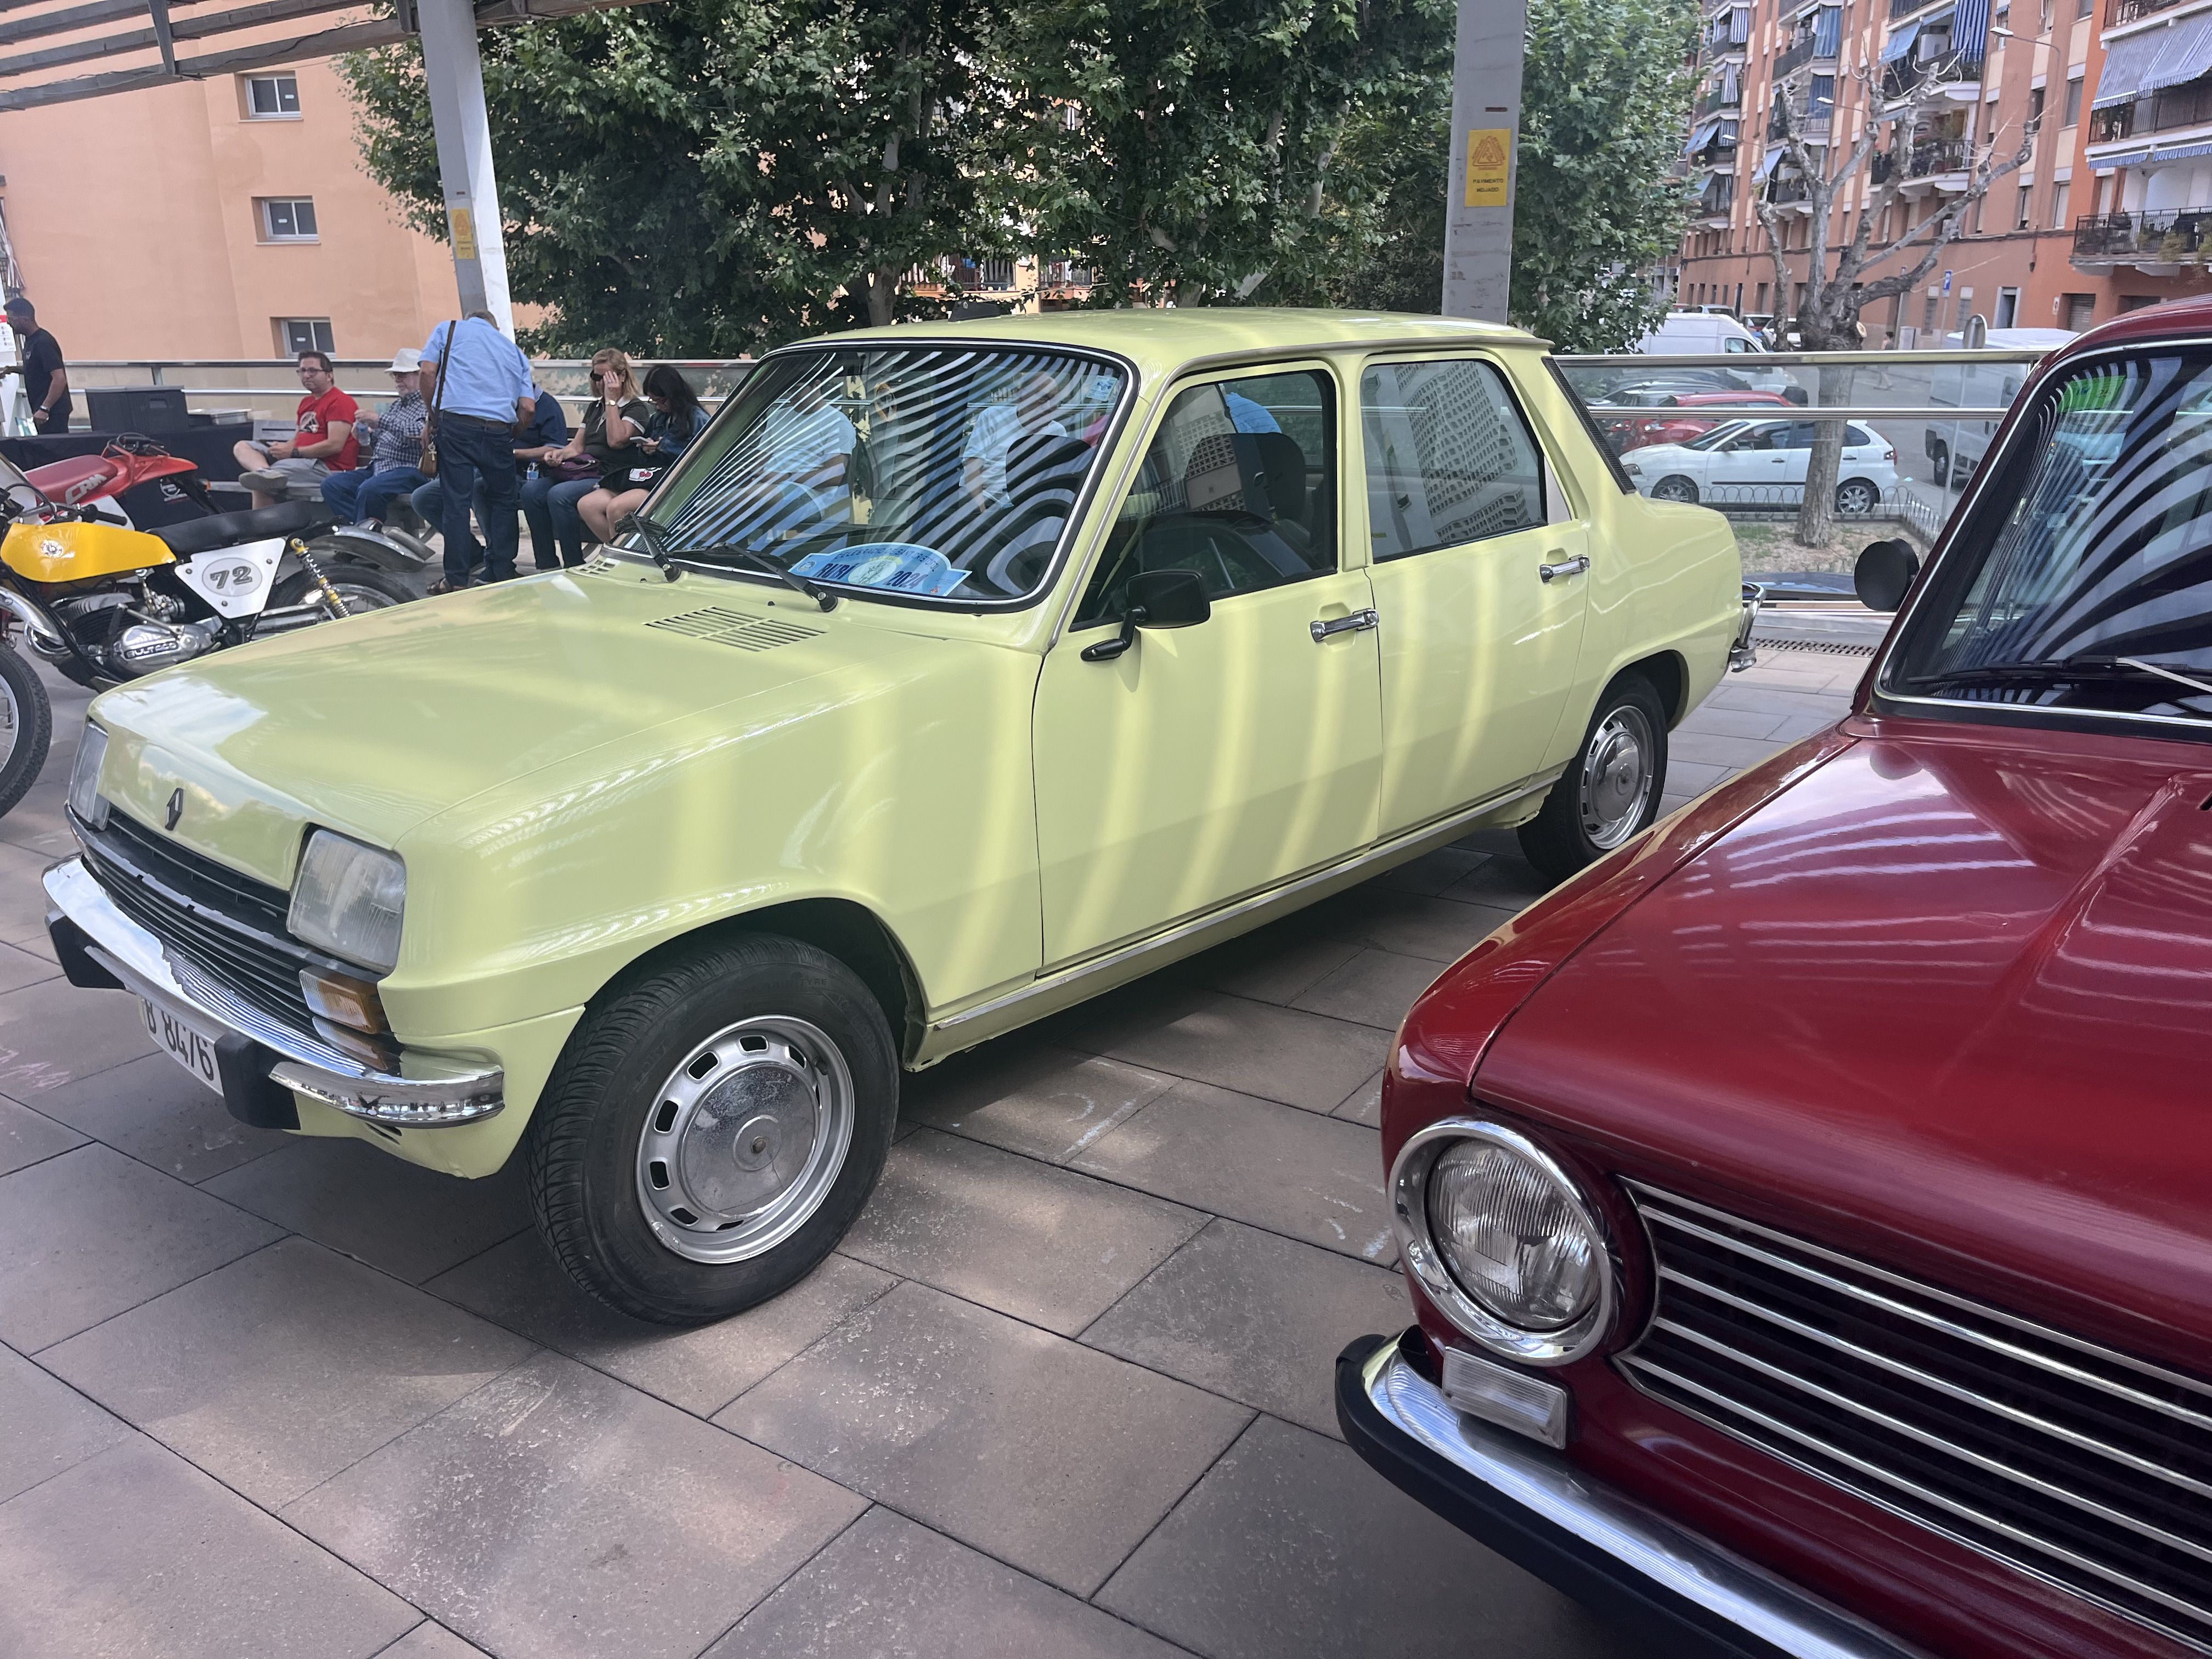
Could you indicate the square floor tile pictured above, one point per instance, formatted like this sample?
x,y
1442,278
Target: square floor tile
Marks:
x,y
27,1137
556,1511
1031,1448
1432,872
19,967
1292,1545
1507,880
161,1114
1313,1177
1364,1105
1278,1054
889,1589
274,1373
137,1553
1258,1318
1441,929
410,1221
1047,1102
45,1425
1041,1243
431,1641
1273,963
86,1235
52,1032
1375,988
701,1369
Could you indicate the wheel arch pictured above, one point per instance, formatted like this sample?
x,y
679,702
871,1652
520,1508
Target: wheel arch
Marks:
x,y
1669,672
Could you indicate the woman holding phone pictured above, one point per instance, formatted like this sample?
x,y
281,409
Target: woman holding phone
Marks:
x,y
675,420
608,438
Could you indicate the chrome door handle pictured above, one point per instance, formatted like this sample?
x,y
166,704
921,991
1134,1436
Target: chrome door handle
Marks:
x,y
1351,624
1573,566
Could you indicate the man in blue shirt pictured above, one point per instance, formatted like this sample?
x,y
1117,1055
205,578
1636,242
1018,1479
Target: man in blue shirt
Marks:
x,y
547,432
483,395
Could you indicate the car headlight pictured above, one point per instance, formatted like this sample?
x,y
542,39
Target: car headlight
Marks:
x,y
1502,1240
84,796
349,899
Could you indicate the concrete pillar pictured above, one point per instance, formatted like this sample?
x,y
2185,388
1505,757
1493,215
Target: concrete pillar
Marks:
x,y
1486,128
455,71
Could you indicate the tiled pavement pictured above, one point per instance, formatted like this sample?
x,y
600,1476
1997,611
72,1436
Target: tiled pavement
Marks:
x,y
1064,1390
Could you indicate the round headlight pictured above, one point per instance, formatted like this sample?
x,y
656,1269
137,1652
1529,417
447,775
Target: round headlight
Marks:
x,y
1503,1240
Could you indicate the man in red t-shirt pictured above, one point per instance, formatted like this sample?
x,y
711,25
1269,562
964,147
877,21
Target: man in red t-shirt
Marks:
x,y
322,441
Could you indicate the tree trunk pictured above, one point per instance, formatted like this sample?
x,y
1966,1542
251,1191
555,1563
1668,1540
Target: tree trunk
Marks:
x,y
1816,516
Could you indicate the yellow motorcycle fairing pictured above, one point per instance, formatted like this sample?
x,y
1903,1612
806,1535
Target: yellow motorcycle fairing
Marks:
x,y
57,553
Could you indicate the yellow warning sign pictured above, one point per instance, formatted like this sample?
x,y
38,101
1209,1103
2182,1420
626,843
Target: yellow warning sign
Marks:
x,y
465,231
1489,165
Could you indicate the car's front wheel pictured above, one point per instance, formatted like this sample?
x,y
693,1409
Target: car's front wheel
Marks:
x,y
1856,497
713,1127
1610,791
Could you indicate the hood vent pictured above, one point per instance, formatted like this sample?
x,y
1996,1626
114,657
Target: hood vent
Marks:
x,y
737,627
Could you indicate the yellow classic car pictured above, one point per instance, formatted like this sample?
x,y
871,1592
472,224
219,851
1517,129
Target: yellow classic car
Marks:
x,y
955,674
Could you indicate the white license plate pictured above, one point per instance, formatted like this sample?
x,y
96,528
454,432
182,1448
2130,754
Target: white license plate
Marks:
x,y
191,1049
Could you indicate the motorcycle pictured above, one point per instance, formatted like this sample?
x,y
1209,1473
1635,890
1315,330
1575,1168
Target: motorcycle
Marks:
x,y
103,603
142,484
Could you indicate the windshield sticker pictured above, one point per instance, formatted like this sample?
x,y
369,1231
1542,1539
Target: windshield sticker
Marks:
x,y
901,566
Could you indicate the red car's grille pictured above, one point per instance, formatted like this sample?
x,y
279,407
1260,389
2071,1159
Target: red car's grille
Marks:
x,y
2083,1466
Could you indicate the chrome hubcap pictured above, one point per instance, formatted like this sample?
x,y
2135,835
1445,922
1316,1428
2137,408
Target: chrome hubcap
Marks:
x,y
746,1140
1617,777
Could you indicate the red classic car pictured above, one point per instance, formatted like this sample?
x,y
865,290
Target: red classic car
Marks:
x,y
1808,1208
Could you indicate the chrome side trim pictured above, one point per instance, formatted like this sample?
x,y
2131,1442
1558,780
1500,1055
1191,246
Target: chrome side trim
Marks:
x,y
441,1091
1046,983
1640,1539
1979,1310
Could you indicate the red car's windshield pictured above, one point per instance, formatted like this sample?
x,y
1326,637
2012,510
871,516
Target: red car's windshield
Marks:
x,y
2082,582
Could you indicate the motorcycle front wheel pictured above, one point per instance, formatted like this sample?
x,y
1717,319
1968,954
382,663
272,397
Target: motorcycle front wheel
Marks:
x,y
361,588
26,727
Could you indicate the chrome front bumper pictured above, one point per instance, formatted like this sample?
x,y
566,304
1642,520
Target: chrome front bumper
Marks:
x,y
434,1092
1593,1542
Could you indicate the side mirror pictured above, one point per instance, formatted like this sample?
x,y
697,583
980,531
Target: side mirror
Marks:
x,y
1885,573
1155,599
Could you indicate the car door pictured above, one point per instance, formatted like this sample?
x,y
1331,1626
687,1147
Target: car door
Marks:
x,y
1477,561
1793,448
1207,763
1747,468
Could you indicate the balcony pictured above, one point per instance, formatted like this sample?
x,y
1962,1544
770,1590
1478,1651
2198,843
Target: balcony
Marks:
x,y
1902,81
1721,97
2177,236
2117,12
1795,58
1904,7
1937,156
1784,192
2188,106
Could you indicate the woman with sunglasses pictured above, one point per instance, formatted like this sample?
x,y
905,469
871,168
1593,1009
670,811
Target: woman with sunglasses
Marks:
x,y
608,437
676,419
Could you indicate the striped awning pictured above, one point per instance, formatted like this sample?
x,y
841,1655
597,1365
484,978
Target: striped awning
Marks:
x,y
2180,152
1701,136
2139,65
1900,42
1774,154
2125,159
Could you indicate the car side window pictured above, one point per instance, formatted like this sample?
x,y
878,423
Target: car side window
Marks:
x,y
1759,437
1449,459
1239,485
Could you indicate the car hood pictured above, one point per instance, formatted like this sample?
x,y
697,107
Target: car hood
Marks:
x,y
374,724
1944,1001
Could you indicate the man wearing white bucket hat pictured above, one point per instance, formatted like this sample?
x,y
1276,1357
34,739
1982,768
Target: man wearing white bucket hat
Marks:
x,y
395,445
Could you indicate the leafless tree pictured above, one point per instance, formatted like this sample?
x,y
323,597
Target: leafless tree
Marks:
x,y
1837,285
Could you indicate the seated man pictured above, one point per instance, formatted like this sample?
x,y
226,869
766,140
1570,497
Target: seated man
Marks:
x,y
395,448
998,427
322,442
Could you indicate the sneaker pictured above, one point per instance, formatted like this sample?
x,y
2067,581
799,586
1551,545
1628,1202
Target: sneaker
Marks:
x,y
442,586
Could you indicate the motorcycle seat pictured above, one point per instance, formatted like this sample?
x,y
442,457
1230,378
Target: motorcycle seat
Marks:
x,y
229,529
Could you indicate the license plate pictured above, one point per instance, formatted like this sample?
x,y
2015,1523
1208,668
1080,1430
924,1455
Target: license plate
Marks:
x,y
191,1049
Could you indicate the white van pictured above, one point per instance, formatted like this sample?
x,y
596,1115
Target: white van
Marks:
x,y
1702,334
1954,449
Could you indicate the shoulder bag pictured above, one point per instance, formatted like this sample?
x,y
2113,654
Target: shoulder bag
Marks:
x,y
428,466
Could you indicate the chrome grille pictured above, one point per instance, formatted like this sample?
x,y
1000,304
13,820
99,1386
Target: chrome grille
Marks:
x,y
228,926
2082,1466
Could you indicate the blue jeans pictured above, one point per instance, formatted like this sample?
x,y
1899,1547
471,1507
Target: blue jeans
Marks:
x,y
363,494
470,453
550,507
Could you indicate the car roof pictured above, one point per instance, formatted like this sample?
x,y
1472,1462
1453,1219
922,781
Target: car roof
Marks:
x,y
2175,320
1161,341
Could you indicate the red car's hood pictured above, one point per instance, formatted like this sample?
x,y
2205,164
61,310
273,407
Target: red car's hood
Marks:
x,y
1947,1001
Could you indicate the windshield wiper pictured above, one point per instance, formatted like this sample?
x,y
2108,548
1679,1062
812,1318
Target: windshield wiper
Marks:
x,y
2062,671
655,538
773,566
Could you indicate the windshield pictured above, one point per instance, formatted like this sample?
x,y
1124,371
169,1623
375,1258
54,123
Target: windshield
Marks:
x,y
2094,587
933,471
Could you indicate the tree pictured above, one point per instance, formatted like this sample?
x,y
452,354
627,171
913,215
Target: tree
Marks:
x,y
1604,97
1199,151
708,177
1828,316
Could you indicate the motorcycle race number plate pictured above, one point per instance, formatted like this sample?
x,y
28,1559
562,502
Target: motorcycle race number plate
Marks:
x,y
191,1048
236,580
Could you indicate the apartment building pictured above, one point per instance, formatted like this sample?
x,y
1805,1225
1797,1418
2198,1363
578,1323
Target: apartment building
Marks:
x,y
2112,99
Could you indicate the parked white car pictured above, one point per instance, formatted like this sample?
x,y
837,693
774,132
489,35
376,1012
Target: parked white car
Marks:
x,y
1762,463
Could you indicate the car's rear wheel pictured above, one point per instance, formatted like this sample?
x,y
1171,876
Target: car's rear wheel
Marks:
x,y
1675,488
1939,464
1856,497
1610,792
712,1128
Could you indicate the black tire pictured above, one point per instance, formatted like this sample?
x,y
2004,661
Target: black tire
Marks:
x,y
1675,488
363,588
1856,498
1560,840
1939,461
588,1150
34,728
